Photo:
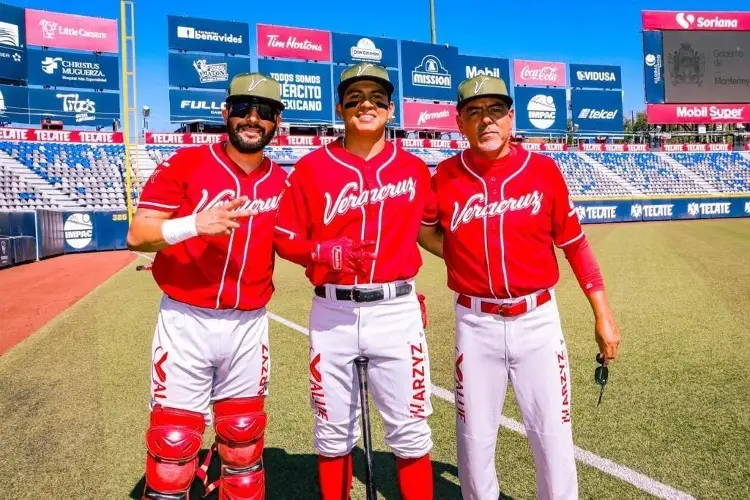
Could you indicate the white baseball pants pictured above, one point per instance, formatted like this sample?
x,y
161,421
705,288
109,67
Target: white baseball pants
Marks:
x,y
530,351
390,334
203,355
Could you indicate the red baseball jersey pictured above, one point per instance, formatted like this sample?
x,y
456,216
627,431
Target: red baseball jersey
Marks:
x,y
502,220
217,272
332,193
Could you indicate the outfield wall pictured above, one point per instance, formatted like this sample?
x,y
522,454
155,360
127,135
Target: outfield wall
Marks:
x,y
34,235
639,210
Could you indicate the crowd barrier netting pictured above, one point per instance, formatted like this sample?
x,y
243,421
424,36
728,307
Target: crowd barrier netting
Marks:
x,y
35,235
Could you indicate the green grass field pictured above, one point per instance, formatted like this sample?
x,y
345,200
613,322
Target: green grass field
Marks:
x,y
74,396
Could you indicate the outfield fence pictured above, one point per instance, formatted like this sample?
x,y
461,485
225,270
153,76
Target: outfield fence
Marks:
x,y
34,235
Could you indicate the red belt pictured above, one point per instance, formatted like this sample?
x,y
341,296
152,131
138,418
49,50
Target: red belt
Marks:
x,y
509,310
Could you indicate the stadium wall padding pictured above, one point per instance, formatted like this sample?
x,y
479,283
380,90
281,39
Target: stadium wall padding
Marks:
x,y
53,233
603,211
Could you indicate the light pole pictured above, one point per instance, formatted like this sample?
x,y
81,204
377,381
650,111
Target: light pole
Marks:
x,y
433,36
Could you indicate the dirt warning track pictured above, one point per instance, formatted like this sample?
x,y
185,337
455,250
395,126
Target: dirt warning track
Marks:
x,y
33,294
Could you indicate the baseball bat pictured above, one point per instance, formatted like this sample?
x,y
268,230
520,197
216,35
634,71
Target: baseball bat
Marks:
x,y
361,364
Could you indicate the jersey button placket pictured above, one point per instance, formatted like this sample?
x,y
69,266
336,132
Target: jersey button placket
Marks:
x,y
493,237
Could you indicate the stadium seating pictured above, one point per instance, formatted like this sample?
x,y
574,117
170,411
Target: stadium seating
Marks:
x,y
91,175
584,179
649,173
727,172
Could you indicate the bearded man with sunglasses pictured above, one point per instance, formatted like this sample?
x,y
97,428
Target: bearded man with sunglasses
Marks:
x,y
351,215
208,212
502,211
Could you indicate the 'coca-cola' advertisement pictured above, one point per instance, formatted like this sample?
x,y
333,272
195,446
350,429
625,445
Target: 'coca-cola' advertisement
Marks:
x,y
698,113
293,43
68,31
429,116
30,134
539,73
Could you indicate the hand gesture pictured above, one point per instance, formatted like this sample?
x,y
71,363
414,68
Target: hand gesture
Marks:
x,y
344,255
221,220
607,335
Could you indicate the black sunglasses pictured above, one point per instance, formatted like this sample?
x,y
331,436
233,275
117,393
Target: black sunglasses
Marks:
x,y
265,110
601,374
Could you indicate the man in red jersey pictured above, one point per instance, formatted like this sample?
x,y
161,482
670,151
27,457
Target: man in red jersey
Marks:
x,y
209,213
351,215
503,210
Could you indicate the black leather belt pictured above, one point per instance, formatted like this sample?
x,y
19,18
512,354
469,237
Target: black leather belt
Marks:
x,y
357,294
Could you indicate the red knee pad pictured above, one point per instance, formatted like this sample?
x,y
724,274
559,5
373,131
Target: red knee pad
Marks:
x,y
249,484
173,440
240,425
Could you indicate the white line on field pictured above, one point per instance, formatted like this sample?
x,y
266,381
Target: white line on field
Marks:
x,y
640,481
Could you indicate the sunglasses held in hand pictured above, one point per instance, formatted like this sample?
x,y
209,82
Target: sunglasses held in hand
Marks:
x,y
601,374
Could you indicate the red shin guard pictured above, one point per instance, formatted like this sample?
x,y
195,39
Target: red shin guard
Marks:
x,y
335,475
415,478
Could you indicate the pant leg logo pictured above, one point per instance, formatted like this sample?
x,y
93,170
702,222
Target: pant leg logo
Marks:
x,y
158,374
416,407
460,398
316,389
562,364
263,390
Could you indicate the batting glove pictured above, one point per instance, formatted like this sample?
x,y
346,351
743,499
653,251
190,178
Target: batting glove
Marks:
x,y
344,255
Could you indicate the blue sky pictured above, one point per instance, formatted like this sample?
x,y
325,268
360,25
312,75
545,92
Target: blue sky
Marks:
x,y
571,31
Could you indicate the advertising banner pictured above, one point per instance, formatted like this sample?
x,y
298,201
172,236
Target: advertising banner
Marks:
x,y
544,146
78,229
203,71
54,68
614,148
698,113
74,107
707,66
353,49
208,35
293,43
653,66
695,20
471,66
12,43
305,89
396,98
37,135
429,71
695,148
597,111
196,105
539,73
595,76
602,211
14,104
433,143
540,111
69,31
430,116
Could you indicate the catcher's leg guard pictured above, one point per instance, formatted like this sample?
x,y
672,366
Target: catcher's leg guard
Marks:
x,y
173,440
240,425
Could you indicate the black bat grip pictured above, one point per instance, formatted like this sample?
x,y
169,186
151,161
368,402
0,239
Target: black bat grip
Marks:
x,y
361,363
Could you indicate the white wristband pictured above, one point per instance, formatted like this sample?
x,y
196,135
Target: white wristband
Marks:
x,y
178,230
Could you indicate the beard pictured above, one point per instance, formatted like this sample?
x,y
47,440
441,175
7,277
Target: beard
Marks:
x,y
247,147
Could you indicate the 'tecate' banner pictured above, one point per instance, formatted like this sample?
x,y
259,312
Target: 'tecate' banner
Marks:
x,y
293,43
695,20
429,116
30,134
69,31
539,73
695,148
698,113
